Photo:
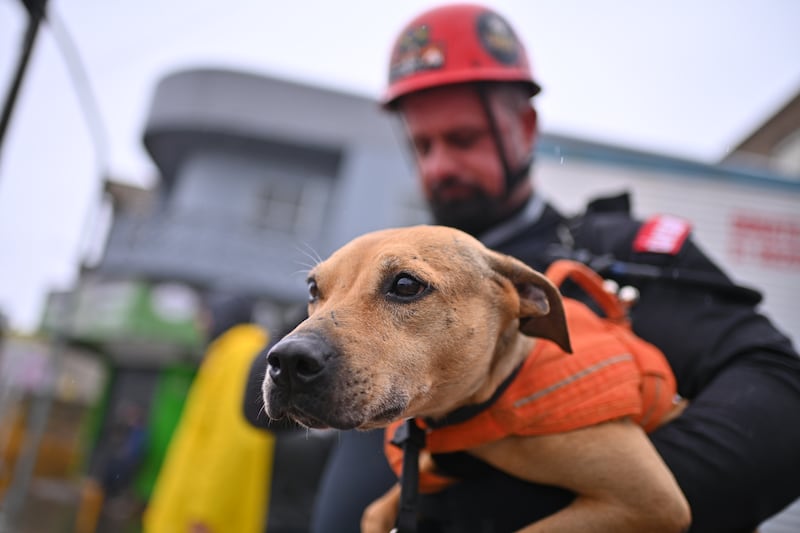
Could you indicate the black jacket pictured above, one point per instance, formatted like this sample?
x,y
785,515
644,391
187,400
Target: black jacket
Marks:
x,y
688,306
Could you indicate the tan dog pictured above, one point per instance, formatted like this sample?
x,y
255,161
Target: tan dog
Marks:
x,y
417,322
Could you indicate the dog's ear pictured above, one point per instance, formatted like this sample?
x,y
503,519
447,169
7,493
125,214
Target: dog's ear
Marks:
x,y
541,311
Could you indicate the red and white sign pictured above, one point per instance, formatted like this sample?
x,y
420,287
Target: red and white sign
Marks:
x,y
770,240
662,234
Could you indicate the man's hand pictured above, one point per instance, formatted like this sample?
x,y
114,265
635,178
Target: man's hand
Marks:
x,y
381,515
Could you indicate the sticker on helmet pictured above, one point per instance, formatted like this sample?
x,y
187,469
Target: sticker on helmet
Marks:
x,y
414,52
498,38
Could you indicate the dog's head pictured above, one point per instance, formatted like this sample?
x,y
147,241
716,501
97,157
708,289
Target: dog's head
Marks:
x,y
408,322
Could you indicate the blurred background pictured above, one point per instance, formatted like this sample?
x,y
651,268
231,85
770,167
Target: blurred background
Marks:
x,y
153,153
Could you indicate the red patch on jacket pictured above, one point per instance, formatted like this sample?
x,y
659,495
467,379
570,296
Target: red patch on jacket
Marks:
x,y
662,234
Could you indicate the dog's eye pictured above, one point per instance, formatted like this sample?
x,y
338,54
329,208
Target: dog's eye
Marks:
x,y
313,291
406,287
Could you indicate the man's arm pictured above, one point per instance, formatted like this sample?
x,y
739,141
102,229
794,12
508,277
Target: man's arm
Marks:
x,y
620,481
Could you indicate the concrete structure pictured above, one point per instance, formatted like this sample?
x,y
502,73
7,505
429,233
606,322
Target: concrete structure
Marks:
x,y
261,177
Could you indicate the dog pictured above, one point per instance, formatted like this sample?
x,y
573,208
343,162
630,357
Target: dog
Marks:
x,y
422,321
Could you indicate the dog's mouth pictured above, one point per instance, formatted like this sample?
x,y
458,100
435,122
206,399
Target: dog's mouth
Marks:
x,y
383,418
338,413
311,421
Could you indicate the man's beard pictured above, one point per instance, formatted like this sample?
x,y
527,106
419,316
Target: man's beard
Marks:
x,y
474,212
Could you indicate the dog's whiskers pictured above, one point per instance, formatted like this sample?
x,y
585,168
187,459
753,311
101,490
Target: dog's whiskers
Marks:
x,y
310,253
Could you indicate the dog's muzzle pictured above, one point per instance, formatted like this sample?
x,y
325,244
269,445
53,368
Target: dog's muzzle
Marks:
x,y
299,380
309,380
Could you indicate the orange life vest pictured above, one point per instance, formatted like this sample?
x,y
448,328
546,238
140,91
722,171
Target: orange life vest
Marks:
x,y
611,374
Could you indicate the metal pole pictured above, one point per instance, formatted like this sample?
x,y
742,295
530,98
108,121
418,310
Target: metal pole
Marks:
x,y
36,10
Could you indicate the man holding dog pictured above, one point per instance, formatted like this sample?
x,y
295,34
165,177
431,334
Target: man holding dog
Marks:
x,y
461,82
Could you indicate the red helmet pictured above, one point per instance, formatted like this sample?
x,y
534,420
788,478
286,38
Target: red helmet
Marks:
x,y
456,44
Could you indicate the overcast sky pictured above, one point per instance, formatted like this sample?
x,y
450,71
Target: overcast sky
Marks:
x,y
685,78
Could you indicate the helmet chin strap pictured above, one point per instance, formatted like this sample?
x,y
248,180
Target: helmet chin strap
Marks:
x,y
511,177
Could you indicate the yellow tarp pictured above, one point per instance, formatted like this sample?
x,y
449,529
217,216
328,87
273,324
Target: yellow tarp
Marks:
x,y
218,468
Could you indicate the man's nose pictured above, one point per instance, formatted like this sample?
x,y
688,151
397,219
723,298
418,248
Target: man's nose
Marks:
x,y
437,164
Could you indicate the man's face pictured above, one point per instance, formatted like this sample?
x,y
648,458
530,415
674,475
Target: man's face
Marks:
x,y
459,166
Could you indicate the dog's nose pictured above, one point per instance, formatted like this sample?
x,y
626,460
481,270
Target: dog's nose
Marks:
x,y
298,360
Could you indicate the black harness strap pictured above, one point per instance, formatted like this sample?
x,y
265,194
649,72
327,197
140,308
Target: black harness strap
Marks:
x,y
512,177
609,267
411,438
462,414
